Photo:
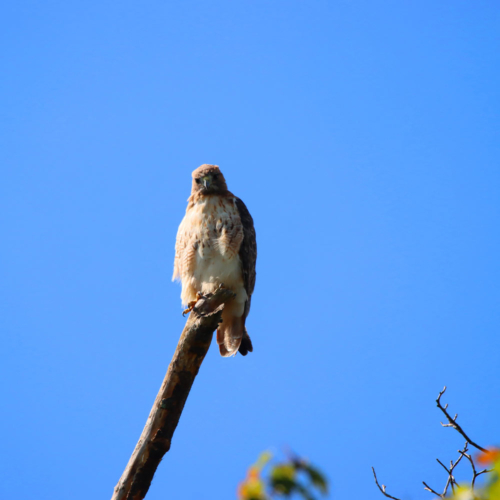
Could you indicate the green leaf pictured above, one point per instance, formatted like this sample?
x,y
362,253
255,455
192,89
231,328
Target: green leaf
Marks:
x,y
317,478
282,485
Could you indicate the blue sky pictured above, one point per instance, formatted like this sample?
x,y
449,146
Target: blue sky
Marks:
x,y
363,137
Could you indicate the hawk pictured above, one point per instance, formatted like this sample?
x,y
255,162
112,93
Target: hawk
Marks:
x,y
216,245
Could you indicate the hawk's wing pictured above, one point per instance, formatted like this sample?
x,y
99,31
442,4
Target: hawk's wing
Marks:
x,y
248,252
180,245
185,250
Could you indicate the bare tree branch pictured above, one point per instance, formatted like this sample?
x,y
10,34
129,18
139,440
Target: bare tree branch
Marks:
x,y
163,419
453,423
451,478
475,474
382,488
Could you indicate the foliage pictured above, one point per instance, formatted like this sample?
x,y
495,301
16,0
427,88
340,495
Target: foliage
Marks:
x,y
491,489
294,477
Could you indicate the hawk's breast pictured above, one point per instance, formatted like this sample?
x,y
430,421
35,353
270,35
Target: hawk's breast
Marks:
x,y
210,237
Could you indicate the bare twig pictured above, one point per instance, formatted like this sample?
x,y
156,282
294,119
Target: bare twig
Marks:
x,y
453,421
444,466
428,488
157,434
484,471
382,488
451,478
475,474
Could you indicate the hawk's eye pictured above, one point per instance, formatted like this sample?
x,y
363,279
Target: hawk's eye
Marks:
x,y
215,176
198,181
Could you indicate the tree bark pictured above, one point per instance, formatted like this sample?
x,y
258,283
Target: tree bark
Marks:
x,y
164,416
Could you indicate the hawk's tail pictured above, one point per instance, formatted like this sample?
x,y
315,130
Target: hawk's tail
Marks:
x,y
246,344
231,339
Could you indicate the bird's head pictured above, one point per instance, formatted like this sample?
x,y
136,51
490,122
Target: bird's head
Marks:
x,y
208,179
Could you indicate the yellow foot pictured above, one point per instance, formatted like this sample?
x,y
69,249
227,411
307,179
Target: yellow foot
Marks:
x,y
191,304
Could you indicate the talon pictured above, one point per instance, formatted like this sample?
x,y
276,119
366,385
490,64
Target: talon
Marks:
x,y
191,304
189,307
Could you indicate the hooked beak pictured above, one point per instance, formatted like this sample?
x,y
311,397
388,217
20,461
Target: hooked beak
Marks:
x,y
206,181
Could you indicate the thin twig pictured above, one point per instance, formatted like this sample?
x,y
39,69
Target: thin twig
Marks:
x,y
483,471
442,465
428,488
382,488
451,478
453,421
452,467
475,474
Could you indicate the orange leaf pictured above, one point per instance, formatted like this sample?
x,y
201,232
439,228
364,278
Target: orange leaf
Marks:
x,y
488,456
253,473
